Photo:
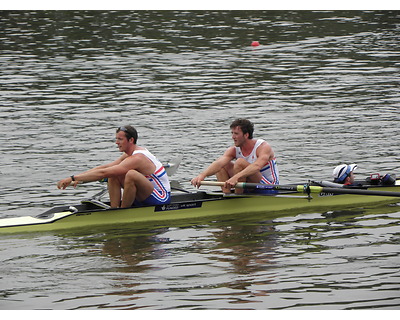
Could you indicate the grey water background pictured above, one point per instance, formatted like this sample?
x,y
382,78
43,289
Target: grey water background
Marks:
x,y
322,88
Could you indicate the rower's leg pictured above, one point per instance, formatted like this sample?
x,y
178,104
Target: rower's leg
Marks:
x,y
240,164
114,191
224,174
136,186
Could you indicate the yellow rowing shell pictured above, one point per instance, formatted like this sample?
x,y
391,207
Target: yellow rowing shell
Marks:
x,y
190,206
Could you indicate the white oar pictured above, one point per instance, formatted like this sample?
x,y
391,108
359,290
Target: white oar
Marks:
x,y
172,167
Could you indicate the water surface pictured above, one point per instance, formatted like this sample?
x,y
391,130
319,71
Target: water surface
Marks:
x,y
322,89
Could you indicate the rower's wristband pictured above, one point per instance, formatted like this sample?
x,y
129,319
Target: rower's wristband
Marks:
x,y
72,178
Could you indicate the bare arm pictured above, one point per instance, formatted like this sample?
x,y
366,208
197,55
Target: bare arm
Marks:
x,y
119,167
111,164
264,154
216,166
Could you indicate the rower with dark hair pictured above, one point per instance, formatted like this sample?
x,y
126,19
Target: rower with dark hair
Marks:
x,y
248,160
137,171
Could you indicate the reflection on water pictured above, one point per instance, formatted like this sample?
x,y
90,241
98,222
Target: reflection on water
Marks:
x,y
322,88
306,261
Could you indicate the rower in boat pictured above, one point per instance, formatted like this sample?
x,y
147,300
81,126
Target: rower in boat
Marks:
x,y
248,160
344,174
137,171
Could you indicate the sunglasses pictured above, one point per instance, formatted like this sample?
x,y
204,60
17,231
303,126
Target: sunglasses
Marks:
x,y
122,129
128,132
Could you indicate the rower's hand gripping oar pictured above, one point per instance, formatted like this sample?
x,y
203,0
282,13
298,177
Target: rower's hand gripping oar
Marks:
x,y
170,167
306,188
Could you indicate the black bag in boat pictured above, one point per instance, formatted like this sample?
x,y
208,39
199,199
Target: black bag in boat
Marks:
x,y
377,179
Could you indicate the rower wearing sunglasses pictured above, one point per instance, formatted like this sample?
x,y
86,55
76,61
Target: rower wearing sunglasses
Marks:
x,y
137,171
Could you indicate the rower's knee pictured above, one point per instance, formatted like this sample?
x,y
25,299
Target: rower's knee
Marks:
x,y
131,178
134,177
240,164
131,175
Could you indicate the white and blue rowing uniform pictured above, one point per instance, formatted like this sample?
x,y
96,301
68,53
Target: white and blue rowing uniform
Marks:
x,y
162,189
269,172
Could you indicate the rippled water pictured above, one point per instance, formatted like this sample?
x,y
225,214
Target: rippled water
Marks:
x,y
322,88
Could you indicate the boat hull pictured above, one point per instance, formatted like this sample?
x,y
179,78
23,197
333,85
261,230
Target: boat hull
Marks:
x,y
189,206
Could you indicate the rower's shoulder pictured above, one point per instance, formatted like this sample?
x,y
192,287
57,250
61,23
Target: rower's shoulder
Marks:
x,y
265,149
261,141
231,150
263,144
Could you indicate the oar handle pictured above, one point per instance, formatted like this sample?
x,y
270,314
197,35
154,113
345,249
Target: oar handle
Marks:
x,y
221,184
212,183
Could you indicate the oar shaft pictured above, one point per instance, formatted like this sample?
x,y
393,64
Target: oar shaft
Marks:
x,y
306,188
354,191
249,185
